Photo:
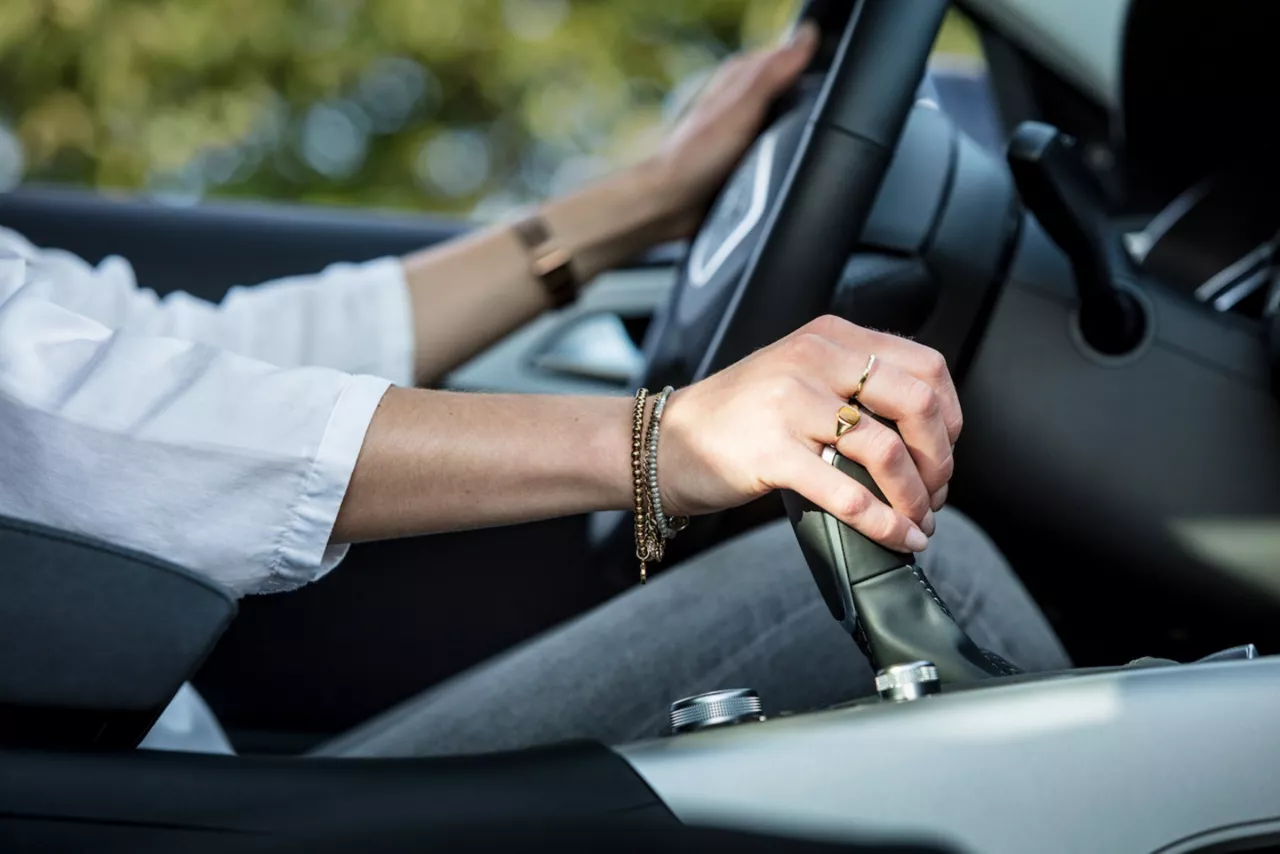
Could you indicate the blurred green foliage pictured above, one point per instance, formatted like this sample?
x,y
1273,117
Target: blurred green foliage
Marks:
x,y
426,104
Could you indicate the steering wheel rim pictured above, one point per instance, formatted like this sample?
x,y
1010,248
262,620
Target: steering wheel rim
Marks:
x,y
757,272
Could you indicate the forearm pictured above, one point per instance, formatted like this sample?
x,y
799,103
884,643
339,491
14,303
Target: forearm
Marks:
x,y
468,293
437,461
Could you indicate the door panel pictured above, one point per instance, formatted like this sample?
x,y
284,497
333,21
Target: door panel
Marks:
x,y
206,249
622,301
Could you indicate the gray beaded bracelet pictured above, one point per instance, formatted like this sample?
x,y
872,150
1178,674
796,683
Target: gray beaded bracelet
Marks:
x,y
668,527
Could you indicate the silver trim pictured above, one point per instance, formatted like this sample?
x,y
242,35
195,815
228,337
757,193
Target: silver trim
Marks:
x,y
1228,299
715,708
909,681
509,366
594,347
1233,272
702,268
1139,243
1124,761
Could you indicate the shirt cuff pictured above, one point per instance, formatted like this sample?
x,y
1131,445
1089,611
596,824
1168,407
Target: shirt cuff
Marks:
x,y
392,320
304,554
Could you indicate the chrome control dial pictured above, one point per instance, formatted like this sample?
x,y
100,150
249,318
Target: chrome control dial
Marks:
x,y
715,708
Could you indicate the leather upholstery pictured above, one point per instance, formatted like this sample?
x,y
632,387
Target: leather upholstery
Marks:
x,y
881,598
901,618
94,639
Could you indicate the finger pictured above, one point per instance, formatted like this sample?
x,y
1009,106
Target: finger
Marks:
x,y
939,499
917,409
890,392
792,58
881,450
891,466
924,363
763,74
802,41
851,502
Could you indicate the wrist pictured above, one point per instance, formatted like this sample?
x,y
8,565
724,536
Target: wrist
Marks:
x,y
612,220
658,191
607,454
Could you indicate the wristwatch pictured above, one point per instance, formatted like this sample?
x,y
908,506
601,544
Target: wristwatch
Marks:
x,y
548,260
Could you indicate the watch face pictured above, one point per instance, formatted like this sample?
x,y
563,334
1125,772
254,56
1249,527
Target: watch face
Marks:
x,y
737,212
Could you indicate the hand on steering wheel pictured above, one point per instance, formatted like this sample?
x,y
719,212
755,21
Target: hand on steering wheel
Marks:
x,y
721,123
762,423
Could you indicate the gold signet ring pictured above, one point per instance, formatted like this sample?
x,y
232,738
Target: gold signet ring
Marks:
x,y
847,417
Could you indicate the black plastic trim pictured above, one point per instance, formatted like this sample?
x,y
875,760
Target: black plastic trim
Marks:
x,y
162,796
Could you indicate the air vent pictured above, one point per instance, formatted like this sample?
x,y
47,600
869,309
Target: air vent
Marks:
x,y
1243,287
1217,243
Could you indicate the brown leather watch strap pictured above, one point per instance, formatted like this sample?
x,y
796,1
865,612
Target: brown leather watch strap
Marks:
x,y
549,262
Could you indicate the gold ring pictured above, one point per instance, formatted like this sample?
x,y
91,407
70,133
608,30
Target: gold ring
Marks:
x,y
866,372
847,417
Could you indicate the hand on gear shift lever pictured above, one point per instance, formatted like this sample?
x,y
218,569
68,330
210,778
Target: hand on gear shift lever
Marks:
x,y
880,597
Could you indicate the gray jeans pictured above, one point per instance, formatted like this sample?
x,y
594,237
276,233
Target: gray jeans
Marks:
x,y
744,615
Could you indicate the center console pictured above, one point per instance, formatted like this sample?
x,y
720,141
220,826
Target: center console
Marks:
x,y
1145,759
963,750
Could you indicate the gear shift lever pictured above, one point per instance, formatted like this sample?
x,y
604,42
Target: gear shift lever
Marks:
x,y
880,597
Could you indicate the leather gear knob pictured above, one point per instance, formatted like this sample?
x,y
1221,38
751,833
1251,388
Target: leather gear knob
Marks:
x,y
881,597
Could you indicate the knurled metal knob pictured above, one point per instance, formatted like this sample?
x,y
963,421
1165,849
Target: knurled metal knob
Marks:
x,y
909,681
716,708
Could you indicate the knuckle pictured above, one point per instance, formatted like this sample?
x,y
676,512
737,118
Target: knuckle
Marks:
x,y
807,347
886,528
922,401
918,506
887,450
946,469
955,425
935,365
825,325
781,389
854,502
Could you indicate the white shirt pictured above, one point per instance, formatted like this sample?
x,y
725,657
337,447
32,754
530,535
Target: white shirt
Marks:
x,y
218,437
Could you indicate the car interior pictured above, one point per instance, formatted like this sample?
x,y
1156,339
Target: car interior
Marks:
x,y
1102,283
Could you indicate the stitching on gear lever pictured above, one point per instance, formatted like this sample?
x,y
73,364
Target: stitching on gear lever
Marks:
x,y
1006,667
863,640
924,582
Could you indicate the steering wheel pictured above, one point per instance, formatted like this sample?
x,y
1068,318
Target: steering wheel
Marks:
x,y
769,253
766,261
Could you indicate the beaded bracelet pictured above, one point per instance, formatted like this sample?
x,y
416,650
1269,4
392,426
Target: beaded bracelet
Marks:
x,y
649,544
668,527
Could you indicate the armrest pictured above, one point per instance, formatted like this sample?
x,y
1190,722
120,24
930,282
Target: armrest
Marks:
x,y
95,640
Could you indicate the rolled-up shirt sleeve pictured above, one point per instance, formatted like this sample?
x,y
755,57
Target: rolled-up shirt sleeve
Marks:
x,y
353,317
231,466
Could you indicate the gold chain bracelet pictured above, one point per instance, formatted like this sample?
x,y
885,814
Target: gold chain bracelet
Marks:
x,y
649,542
